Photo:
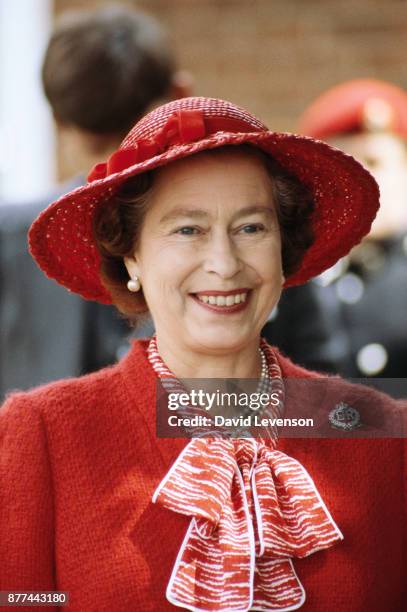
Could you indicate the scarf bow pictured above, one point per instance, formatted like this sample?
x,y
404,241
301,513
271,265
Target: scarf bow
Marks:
x,y
253,508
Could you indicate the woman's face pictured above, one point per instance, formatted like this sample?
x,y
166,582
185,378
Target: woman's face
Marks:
x,y
209,255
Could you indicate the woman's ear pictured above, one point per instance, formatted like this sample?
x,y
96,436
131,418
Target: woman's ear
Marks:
x,y
182,85
132,266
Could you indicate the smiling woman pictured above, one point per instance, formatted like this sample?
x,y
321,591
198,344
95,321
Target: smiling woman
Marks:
x,y
202,217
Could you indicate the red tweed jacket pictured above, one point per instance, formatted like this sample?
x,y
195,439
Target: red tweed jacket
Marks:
x,y
80,461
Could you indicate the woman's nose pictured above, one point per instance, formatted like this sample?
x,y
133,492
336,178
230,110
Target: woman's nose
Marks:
x,y
222,257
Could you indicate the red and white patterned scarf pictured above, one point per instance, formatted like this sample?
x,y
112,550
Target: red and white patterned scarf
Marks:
x,y
252,510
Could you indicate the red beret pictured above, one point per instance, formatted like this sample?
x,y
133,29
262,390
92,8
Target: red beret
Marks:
x,y
342,108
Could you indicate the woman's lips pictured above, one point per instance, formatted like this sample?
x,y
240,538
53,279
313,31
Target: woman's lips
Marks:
x,y
225,309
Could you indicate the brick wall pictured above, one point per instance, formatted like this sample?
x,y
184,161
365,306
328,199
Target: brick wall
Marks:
x,y
275,56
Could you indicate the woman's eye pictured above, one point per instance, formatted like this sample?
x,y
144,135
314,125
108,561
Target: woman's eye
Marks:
x,y
187,231
253,228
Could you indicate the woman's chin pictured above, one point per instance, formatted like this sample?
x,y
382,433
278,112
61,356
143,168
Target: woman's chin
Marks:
x,y
220,340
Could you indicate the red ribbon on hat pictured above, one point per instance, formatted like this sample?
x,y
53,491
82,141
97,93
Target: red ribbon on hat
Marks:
x,y
182,127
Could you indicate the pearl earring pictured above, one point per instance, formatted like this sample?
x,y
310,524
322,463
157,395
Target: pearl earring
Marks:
x,y
133,284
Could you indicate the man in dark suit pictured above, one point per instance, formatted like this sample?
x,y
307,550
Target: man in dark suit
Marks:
x,y
101,71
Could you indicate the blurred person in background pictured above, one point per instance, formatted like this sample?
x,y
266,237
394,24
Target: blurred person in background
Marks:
x,y
102,70
364,297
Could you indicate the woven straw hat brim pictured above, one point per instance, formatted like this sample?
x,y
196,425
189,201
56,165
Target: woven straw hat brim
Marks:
x,y
346,197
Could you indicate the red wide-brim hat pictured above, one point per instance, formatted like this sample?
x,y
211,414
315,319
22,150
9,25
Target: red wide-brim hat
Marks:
x,y
346,196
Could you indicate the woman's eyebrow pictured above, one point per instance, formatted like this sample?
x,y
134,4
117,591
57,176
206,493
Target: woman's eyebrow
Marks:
x,y
198,212
183,212
250,210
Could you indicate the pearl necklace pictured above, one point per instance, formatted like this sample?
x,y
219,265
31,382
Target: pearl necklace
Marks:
x,y
264,365
264,385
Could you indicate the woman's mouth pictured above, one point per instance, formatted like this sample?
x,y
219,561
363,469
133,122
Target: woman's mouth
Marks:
x,y
225,302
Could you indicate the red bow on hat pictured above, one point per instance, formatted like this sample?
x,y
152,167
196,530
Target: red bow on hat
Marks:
x,y
181,127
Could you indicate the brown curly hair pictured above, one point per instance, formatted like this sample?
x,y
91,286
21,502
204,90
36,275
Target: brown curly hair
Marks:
x,y
118,224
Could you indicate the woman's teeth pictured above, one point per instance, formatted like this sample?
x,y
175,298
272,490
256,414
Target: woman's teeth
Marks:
x,y
223,300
